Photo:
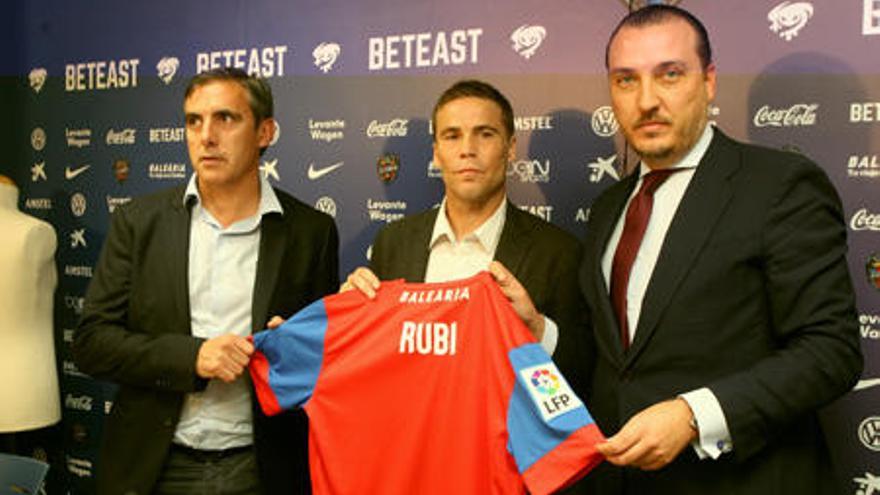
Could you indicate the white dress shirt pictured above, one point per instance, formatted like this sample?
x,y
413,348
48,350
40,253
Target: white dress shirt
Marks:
x,y
453,259
714,435
222,271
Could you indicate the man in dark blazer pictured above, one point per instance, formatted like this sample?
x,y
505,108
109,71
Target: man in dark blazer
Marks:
x,y
737,321
184,277
535,262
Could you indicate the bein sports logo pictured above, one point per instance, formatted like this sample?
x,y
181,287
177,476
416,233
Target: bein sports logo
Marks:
x,y
787,18
527,39
167,68
325,56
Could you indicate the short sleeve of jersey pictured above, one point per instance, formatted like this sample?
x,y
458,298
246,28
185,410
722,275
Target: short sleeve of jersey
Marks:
x,y
552,436
287,360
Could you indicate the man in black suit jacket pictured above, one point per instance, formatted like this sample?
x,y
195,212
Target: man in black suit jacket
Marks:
x,y
185,275
535,261
738,320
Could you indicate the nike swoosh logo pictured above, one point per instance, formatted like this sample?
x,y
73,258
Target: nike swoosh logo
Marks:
x,y
71,174
863,384
315,174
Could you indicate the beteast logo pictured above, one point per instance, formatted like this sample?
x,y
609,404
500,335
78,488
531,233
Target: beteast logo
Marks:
x,y
527,39
103,74
166,68
864,112
267,61
540,211
316,173
78,238
72,173
787,19
38,172
37,78
270,169
871,18
38,139
602,167
325,55
797,115
868,485
426,49
603,122
327,205
864,220
167,135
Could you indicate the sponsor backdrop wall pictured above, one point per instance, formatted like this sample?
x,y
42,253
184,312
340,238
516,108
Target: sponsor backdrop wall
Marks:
x,y
94,91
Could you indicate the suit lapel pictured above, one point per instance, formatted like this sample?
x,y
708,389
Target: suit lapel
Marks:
x,y
515,239
703,203
179,264
602,225
273,238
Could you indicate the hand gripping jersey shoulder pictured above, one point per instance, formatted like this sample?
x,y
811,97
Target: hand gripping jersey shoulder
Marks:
x,y
428,388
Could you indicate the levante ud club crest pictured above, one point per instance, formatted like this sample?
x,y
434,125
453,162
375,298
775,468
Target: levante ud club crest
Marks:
x,y
873,269
387,167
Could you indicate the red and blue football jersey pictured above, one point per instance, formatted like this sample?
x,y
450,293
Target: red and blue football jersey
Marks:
x,y
426,389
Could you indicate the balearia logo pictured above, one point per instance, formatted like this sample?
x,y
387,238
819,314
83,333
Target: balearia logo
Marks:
x,y
540,211
603,122
38,204
327,205
869,433
869,326
37,78
125,136
602,167
392,128
326,130
385,211
325,56
532,171
78,138
527,39
865,220
864,112
38,172
167,135
267,61
116,202
78,238
787,18
426,49
78,403
863,166
166,170
270,169
78,204
533,123
38,139
871,18
797,115
102,74
166,68
868,485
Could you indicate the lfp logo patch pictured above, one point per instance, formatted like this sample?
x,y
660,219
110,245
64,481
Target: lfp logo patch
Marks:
x,y
549,391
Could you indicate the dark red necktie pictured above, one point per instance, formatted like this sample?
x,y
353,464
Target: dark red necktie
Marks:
x,y
637,216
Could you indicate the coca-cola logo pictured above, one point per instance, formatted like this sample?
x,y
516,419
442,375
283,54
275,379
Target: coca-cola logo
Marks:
x,y
394,128
863,220
125,136
81,403
798,115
